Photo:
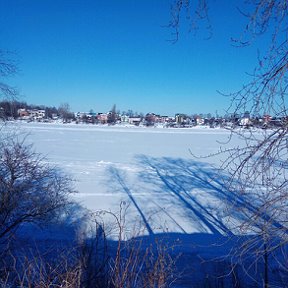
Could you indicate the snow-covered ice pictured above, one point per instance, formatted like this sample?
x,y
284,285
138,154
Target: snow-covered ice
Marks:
x,y
168,190
152,169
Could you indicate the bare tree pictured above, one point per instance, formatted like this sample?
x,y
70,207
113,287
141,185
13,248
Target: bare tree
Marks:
x,y
112,115
267,90
30,189
258,170
258,178
65,112
8,68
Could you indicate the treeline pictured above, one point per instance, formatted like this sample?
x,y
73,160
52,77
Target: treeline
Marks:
x,y
10,110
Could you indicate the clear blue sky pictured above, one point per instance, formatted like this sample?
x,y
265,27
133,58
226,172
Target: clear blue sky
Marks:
x,y
93,54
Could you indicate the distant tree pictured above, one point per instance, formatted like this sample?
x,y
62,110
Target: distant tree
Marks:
x,y
130,113
65,113
10,108
150,119
2,113
246,114
112,115
50,111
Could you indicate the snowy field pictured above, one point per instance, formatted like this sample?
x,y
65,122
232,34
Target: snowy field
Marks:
x,y
152,169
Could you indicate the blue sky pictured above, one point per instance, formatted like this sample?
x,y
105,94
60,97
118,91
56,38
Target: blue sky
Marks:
x,y
93,54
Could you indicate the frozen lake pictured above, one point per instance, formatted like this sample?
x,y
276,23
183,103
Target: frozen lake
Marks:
x,y
152,169
165,188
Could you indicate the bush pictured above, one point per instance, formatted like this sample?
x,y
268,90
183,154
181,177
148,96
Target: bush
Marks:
x,y
30,189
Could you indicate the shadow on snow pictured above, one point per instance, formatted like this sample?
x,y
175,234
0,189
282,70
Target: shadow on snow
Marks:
x,y
201,211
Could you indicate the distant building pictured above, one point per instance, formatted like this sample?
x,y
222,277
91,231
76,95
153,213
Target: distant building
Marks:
x,y
245,120
124,118
199,120
179,118
183,120
23,113
150,119
267,119
162,119
33,114
102,118
135,120
36,114
80,115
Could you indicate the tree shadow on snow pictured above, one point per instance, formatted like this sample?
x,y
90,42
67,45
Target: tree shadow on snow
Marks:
x,y
194,199
119,178
182,188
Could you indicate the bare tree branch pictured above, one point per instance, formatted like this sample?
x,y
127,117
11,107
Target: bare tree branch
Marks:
x,y
30,190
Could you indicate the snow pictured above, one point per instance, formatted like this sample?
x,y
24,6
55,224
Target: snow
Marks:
x,y
152,169
178,198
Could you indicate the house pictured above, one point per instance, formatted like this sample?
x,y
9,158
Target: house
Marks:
x,y
124,118
80,115
266,119
162,119
179,118
199,120
150,119
36,114
23,113
102,118
135,120
32,114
